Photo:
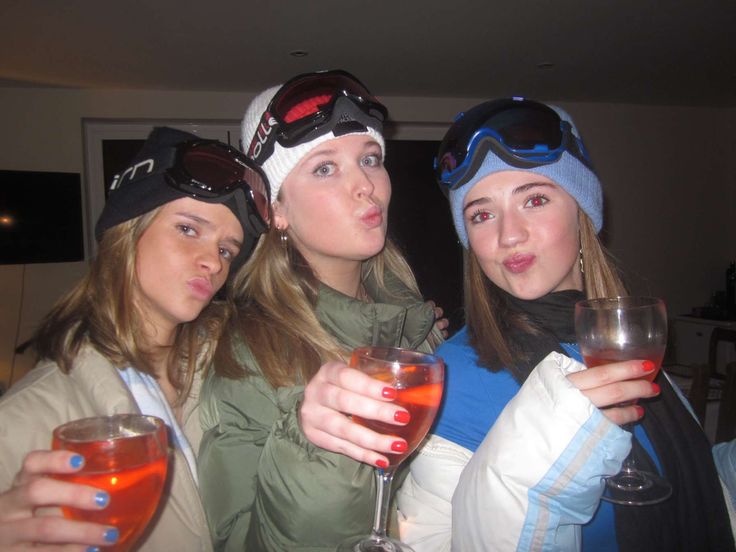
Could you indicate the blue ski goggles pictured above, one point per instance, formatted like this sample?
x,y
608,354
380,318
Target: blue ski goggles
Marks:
x,y
522,133
313,104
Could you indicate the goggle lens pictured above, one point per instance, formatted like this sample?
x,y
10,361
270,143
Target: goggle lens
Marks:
x,y
316,90
527,131
214,170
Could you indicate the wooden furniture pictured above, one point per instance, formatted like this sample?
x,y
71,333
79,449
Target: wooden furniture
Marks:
x,y
715,382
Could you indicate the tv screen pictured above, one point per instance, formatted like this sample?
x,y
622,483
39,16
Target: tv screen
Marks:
x,y
40,217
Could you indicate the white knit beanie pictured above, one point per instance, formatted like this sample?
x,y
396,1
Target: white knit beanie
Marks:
x,y
282,161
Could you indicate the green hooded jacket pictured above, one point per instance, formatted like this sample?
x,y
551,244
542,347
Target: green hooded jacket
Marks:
x,y
265,487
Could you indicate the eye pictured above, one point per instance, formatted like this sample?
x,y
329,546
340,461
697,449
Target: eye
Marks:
x,y
371,160
480,216
324,169
186,229
228,253
537,200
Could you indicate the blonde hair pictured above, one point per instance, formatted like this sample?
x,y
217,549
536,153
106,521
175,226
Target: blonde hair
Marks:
x,y
277,293
486,308
100,311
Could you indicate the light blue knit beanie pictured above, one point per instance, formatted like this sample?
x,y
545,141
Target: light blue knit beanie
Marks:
x,y
568,172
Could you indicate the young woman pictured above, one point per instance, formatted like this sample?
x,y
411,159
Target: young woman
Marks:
x,y
527,206
176,223
322,281
518,453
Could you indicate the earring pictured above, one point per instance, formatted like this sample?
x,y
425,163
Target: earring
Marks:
x,y
580,260
283,237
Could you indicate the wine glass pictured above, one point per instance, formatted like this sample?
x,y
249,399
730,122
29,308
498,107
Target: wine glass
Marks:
x,y
125,455
418,379
616,329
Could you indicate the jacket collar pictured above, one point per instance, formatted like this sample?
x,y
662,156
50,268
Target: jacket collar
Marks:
x,y
396,317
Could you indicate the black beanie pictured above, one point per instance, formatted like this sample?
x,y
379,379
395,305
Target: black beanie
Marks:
x,y
142,187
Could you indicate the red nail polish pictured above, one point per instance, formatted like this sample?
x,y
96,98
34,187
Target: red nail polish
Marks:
x,y
382,464
648,365
388,393
399,446
639,410
402,416
655,388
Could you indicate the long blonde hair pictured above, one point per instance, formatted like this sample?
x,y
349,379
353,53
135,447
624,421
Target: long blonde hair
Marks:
x,y
276,293
100,311
485,306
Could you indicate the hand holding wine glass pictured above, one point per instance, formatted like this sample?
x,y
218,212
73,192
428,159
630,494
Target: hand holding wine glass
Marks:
x,y
26,508
126,455
418,379
617,329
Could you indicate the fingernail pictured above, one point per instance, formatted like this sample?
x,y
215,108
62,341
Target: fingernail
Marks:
x,y
102,499
399,446
382,464
76,461
111,535
655,388
639,410
93,549
402,416
388,393
648,365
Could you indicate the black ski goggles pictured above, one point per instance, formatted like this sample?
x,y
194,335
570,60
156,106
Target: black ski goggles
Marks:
x,y
304,108
523,133
208,169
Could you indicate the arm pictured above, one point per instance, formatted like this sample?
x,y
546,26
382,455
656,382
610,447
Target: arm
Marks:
x,y
236,419
264,485
537,475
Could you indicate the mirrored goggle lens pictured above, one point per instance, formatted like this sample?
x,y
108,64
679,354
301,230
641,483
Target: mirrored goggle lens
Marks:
x,y
519,126
308,95
218,170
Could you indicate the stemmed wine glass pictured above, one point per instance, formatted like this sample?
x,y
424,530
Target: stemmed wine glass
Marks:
x,y
125,455
616,329
418,379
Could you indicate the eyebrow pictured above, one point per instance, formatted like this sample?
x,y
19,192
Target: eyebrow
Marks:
x,y
369,143
518,190
207,222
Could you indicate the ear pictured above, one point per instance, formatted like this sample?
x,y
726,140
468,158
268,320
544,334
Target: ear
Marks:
x,y
280,220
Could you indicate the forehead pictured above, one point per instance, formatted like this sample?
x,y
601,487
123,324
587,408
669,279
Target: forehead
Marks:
x,y
510,182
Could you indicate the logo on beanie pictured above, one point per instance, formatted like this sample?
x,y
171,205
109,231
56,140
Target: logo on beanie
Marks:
x,y
260,138
130,173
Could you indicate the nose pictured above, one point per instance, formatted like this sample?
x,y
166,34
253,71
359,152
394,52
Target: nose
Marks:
x,y
362,183
513,229
210,259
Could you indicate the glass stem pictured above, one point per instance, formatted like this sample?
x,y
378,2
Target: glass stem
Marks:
x,y
629,465
383,499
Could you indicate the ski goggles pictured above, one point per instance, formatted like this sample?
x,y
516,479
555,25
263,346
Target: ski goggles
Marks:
x,y
304,108
523,133
212,170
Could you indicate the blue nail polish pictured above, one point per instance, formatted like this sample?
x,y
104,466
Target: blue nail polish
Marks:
x,y
93,549
102,499
76,461
111,535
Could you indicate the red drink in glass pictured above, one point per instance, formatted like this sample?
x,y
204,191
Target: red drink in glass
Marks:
x,y
593,358
126,459
421,400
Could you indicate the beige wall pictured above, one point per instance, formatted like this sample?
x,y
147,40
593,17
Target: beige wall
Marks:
x,y
671,202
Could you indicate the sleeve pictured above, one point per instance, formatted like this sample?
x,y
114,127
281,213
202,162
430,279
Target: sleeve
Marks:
x,y
264,485
724,455
537,476
425,510
236,419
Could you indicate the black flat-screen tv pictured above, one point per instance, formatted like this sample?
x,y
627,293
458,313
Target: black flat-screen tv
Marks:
x,y
41,218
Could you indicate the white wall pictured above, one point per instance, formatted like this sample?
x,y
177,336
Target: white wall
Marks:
x,y
671,200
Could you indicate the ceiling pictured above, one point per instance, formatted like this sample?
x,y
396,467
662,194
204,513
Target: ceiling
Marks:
x,y
675,52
